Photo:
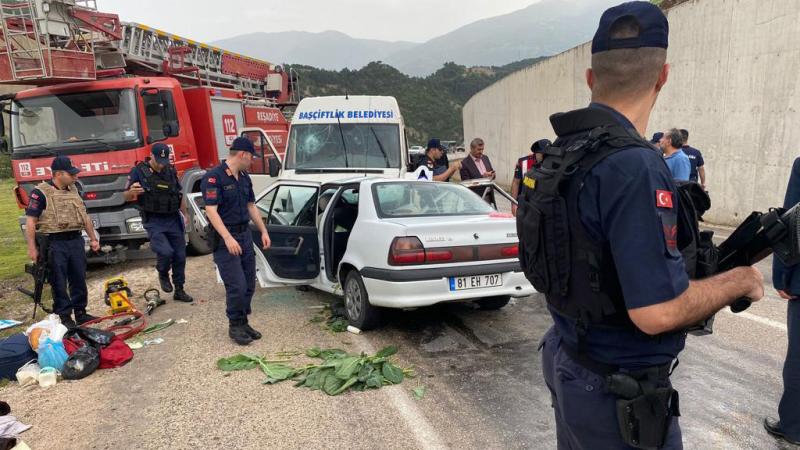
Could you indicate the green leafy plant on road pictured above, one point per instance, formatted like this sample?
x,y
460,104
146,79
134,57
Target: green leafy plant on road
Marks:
x,y
339,371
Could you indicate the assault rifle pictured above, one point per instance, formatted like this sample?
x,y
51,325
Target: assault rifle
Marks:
x,y
40,270
756,238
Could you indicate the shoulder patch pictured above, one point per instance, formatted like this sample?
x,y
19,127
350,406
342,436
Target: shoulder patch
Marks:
x,y
34,195
211,194
664,199
212,180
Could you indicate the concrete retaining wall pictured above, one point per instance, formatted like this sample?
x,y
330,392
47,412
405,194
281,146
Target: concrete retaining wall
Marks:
x,y
734,84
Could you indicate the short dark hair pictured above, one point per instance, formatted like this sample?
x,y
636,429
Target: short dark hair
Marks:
x,y
685,134
628,71
675,137
233,152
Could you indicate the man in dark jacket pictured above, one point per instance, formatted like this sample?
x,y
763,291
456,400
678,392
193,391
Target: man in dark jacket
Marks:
x,y
477,165
787,281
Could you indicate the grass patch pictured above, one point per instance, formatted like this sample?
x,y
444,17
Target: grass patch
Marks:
x,y
14,253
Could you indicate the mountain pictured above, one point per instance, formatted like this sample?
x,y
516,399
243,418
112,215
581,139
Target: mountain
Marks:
x,y
327,50
542,29
431,106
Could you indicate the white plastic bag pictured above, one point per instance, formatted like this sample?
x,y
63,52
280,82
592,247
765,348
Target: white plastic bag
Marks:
x,y
28,374
51,327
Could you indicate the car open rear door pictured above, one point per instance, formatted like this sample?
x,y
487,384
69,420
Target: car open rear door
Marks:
x,y
289,210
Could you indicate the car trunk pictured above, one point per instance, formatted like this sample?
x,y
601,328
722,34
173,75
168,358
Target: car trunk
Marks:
x,y
463,240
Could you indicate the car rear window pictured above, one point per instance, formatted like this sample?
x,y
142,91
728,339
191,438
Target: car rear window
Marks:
x,y
423,199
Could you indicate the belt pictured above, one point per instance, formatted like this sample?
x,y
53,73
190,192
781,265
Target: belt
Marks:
x,y
237,228
654,372
64,236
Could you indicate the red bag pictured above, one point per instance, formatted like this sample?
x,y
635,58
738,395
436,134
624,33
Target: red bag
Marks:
x,y
115,354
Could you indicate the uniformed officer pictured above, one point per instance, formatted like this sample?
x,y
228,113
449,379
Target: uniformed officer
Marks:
x,y
433,154
786,280
524,164
57,211
155,187
598,236
230,206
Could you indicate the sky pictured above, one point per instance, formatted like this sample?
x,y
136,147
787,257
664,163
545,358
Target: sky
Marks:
x,y
390,20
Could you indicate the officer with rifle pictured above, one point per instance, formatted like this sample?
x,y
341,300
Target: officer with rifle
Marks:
x,y
230,206
56,215
598,224
154,185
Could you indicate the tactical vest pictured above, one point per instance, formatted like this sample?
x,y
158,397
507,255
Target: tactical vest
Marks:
x,y
576,273
64,210
161,193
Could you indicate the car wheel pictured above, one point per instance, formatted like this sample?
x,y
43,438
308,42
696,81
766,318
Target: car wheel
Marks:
x,y
198,242
360,313
493,303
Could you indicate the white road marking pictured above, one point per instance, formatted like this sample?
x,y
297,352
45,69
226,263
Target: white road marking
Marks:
x,y
759,319
424,433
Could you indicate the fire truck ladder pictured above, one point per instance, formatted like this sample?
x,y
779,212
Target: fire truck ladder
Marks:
x,y
167,54
21,36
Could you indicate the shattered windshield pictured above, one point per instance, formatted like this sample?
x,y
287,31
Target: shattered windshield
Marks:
x,y
360,145
83,119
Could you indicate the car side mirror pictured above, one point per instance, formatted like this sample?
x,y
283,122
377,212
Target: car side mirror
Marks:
x,y
274,167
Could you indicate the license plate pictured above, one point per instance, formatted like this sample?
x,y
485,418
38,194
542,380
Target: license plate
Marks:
x,y
475,282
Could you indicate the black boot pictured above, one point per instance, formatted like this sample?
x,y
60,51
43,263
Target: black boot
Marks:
x,y
166,285
181,295
255,335
81,317
239,334
66,320
773,427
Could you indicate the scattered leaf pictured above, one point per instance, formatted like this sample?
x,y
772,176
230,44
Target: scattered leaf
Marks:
x,y
392,373
386,352
419,392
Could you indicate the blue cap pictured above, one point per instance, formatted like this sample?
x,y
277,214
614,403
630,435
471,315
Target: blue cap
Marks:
x,y
540,145
656,137
434,143
64,164
653,27
161,153
242,143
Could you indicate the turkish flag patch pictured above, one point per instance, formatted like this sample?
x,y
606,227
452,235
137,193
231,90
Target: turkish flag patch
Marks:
x,y
212,180
664,199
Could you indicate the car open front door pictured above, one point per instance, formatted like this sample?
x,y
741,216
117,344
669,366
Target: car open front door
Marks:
x,y
290,214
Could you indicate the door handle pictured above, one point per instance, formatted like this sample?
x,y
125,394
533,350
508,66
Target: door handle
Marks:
x,y
185,154
300,241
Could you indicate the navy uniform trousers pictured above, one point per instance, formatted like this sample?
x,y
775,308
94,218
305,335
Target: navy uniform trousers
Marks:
x,y
586,415
238,273
68,269
168,242
789,408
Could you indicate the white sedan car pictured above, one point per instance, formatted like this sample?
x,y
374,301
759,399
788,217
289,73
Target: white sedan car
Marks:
x,y
388,243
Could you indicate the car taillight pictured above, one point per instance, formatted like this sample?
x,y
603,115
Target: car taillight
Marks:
x,y
438,255
90,195
406,251
510,252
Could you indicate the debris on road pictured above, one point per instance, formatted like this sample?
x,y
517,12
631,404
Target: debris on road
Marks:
x,y
158,326
8,323
419,392
339,371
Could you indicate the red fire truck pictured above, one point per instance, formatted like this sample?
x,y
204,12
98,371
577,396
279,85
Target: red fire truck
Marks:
x,y
106,90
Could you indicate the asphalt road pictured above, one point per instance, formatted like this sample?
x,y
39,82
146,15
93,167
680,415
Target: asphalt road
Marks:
x,y
481,371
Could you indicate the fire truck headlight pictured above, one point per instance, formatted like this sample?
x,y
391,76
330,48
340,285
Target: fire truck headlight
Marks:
x,y
135,225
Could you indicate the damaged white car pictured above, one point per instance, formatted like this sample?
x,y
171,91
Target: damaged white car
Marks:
x,y
388,243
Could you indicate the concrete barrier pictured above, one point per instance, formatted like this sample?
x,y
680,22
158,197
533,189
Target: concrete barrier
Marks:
x,y
734,84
